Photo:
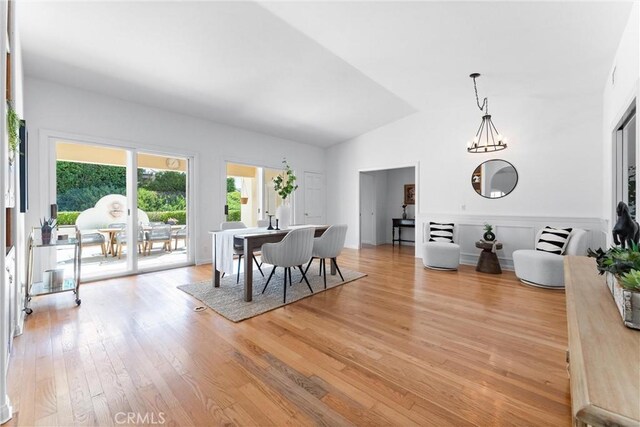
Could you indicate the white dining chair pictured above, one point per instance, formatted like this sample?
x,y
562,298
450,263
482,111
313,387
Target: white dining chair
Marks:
x,y
239,250
329,245
292,251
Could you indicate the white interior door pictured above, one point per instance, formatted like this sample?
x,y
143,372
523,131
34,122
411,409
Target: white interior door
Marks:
x,y
367,209
313,198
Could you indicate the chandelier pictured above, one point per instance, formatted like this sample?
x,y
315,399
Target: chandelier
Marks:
x,y
487,138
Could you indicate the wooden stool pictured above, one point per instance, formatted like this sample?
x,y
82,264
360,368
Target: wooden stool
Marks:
x,y
488,261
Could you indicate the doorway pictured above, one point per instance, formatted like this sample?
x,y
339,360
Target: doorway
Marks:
x,y
97,188
382,199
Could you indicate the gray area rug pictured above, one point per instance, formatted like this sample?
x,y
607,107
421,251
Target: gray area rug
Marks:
x,y
228,300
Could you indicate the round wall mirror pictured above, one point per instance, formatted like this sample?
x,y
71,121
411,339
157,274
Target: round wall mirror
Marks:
x,y
494,179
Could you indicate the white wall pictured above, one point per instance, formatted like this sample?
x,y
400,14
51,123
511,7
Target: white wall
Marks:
x,y
554,144
617,98
65,110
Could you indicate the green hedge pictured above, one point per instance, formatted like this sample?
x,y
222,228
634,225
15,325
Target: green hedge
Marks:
x,y
69,218
181,216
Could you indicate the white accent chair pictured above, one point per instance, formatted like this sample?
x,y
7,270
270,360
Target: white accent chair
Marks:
x,y
440,255
329,245
544,269
293,251
239,250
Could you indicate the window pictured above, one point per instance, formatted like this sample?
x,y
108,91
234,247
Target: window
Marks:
x,y
625,163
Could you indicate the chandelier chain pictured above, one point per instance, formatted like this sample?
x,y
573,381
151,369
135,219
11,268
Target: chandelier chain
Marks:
x,y
485,101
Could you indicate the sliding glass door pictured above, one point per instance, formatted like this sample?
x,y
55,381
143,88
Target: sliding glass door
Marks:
x,y
97,188
162,210
250,193
91,194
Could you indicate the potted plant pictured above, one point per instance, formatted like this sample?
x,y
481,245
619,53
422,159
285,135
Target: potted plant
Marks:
x,y
172,221
13,129
46,227
285,185
622,269
489,236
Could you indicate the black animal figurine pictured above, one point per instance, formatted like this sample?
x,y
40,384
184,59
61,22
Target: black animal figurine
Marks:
x,y
626,229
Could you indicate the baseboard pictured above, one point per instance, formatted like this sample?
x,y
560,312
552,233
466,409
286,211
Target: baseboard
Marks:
x,y
6,411
20,321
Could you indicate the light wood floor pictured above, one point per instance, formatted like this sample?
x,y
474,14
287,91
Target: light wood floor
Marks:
x,y
403,346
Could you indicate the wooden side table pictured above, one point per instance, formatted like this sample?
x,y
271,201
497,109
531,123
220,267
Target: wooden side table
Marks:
x,y
488,261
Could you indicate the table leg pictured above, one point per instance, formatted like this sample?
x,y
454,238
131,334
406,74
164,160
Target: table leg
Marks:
x,y
248,270
215,273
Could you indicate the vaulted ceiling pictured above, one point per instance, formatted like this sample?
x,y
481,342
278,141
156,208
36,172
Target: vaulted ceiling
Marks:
x,y
320,72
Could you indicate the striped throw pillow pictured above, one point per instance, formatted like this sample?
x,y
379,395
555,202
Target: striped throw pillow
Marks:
x,y
440,232
553,240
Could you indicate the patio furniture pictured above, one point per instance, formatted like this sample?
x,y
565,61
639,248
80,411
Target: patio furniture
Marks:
x,y
180,234
121,240
95,239
158,234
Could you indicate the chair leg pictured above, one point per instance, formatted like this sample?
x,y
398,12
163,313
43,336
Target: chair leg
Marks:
x,y
306,269
304,277
104,249
119,251
335,262
290,282
239,264
286,271
324,271
269,279
256,261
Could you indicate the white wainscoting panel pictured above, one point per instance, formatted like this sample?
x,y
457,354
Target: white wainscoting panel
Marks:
x,y
513,232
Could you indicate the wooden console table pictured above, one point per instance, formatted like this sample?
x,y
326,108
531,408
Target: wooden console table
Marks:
x,y
603,354
401,223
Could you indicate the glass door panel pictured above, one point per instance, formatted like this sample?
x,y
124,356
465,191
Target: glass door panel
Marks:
x,y
91,194
244,199
162,196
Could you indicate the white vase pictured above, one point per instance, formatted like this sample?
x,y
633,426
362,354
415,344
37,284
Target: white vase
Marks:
x,y
283,214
